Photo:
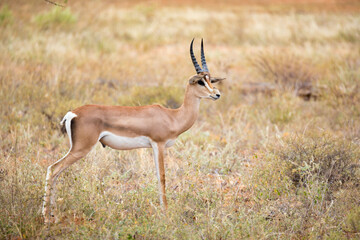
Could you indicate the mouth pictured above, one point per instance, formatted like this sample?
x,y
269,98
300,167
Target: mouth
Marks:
x,y
214,97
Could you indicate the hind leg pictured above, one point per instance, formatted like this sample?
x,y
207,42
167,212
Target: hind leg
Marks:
x,y
53,172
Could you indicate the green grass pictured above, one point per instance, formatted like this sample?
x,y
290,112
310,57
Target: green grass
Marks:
x,y
6,16
55,18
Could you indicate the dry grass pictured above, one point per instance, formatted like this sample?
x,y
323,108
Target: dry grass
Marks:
x,y
255,165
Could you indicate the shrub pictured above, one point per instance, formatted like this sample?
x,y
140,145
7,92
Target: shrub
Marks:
x,y
56,17
307,181
329,160
287,72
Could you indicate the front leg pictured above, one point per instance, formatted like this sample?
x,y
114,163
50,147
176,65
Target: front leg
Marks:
x,y
159,149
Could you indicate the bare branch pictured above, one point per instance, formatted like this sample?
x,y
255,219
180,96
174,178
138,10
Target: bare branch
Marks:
x,y
54,3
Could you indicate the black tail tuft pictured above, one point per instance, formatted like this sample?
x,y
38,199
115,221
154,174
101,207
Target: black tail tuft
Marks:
x,y
63,128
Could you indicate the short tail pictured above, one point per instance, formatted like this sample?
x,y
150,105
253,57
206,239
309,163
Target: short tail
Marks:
x,y
67,120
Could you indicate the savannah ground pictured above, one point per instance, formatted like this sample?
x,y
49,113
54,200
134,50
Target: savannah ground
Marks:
x,y
277,157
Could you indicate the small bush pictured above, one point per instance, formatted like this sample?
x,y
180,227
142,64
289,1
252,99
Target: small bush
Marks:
x,y
287,72
307,181
57,17
324,159
6,16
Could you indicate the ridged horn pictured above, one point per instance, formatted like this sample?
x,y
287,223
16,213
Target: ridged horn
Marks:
x,y
196,65
203,60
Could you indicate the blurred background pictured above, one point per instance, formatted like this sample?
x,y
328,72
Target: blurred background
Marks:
x,y
277,157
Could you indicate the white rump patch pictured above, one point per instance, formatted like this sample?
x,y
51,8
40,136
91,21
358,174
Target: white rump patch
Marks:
x,y
68,116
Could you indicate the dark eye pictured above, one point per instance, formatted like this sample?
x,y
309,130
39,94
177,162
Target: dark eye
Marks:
x,y
201,83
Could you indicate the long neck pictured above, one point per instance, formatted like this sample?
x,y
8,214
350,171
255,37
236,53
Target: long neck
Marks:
x,y
188,112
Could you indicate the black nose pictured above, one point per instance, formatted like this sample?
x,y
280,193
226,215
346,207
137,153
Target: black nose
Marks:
x,y
218,95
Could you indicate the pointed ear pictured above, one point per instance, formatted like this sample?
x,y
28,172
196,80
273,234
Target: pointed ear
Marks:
x,y
194,79
216,79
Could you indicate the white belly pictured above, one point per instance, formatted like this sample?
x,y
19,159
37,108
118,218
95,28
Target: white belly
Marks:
x,y
124,143
169,143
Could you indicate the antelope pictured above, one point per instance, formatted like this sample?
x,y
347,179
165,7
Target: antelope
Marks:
x,y
125,128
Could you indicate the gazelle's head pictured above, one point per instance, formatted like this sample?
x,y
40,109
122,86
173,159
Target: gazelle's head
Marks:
x,y
202,81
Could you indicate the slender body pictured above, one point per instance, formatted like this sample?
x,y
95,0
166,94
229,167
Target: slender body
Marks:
x,y
126,128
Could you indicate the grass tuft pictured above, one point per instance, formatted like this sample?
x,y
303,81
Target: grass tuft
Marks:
x,y
55,18
6,16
